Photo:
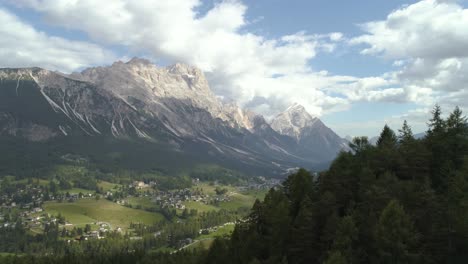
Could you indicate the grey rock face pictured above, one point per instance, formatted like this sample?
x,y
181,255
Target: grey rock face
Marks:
x,y
293,121
171,104
315,141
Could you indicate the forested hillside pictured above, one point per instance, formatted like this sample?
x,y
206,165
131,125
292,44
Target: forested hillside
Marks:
x,y
402,201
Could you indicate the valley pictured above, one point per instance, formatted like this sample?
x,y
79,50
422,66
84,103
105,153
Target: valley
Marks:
x,y
111,115
233,132
201,211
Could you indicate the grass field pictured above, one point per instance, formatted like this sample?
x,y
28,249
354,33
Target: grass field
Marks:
x,y
201,244
77,191
12,179
204,242
222,231
200,207
4,254
144,202
87,211
107,186
238,200
210,189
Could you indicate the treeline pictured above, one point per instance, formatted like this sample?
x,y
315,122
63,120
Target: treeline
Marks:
x,y
58,244
172,233
53,246
401,201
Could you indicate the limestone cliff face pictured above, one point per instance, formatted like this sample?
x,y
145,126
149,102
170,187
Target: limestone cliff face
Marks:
x,y
171,104
159,90
293,121
314,139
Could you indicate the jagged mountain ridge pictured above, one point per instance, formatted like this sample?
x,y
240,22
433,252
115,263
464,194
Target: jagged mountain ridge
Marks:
x,y
172,106
313,138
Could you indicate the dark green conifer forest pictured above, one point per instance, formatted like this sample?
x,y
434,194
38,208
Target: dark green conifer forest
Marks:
x,y
404,200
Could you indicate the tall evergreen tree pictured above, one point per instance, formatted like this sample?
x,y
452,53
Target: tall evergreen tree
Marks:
x,y
436,142
303,239
395,235
457,133
457,215
436,123
335,257
405,134
413,155
345,239
387,138
296,187
359,144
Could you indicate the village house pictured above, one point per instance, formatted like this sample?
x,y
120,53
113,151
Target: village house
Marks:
x,y
94,235
140,185
37,210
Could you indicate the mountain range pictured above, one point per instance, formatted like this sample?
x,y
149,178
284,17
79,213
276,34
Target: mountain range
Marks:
x,y
136,115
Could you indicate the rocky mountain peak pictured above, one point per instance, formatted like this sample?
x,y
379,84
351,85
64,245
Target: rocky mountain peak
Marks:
x,y
141,79
293,120
184,69
143,84
139,61
299,114
174,104
20,73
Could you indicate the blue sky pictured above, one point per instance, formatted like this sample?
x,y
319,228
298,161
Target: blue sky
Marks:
x,y
356,64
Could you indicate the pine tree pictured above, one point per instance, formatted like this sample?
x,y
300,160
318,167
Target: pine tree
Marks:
x,y
335,257
219,252
359,144
387,138
387,146
457,122
457,214
395,235
457,133
436,142
436,123
405,134
345,238
296,187
413,156
303,239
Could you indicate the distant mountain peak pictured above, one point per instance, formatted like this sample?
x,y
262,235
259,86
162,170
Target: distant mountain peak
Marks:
x,y
313,137
299,114
293,120
296,107
182,68
137,60
174,104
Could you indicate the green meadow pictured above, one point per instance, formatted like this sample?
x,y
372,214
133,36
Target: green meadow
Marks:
x,y
88,211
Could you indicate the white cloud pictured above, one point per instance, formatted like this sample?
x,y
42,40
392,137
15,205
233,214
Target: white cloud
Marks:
x,y
428,41
417,119
23,46
427,29
264,74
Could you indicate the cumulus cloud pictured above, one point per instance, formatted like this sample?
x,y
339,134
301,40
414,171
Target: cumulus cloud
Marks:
x,y
264,74
23,46
429,37
428,41
427,29
425,42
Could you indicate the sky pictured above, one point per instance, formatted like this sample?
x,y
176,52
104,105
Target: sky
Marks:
x,y
357,65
